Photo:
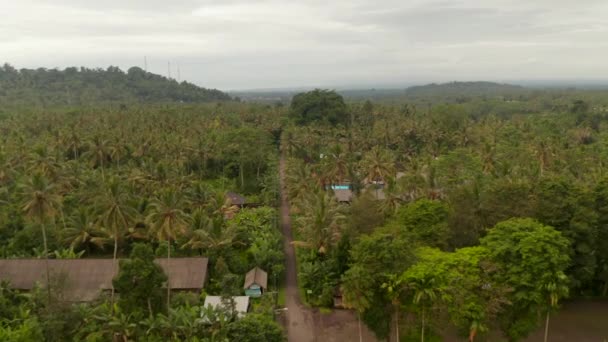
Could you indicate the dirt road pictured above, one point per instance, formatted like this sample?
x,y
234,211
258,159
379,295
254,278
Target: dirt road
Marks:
x,y
300,324
305,324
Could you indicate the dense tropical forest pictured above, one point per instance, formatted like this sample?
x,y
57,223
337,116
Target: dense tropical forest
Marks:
x,y
28,88
492,210
99,181
483,213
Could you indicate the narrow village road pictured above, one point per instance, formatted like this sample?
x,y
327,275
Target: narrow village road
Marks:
x,y
300,324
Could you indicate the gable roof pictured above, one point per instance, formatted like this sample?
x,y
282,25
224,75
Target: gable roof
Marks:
x,y
235,199
256,276
86,278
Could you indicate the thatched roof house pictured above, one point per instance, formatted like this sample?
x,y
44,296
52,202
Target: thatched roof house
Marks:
x,y
84,279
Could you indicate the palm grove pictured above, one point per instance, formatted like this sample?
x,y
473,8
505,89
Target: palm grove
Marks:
x,y
483,213
492,209
132,180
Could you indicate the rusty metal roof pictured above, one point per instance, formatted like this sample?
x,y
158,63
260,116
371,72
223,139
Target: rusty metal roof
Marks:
x,y
256,276
86,278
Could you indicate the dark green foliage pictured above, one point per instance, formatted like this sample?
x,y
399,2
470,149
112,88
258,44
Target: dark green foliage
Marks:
x,y
81,86
139,283
375,260
319,277
532,258
564,206
601,208
321,106
255,328
426,220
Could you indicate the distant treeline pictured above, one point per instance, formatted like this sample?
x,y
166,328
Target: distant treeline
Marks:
x,y
77,86
447,93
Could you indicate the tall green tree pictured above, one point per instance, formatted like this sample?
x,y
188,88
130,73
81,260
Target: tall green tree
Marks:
x,y
376,259
139,282
41,202
532,258
167,221
426,220
321,223
116,212
319,106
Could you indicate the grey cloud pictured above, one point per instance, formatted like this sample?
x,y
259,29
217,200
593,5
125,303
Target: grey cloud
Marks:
x,y
276,43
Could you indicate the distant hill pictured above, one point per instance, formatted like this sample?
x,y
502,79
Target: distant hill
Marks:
x,y
465,89
75,86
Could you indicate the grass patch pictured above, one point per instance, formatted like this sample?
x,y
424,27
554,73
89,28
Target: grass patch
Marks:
x,y
297,237
325,311
281,299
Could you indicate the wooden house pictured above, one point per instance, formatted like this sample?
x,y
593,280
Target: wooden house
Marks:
x,y
256,282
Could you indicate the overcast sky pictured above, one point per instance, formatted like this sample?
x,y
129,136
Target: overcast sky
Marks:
x,y
245,44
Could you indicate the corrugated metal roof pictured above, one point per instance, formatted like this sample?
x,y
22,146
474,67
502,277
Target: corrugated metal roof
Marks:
x,y
241,303
86,278
256,276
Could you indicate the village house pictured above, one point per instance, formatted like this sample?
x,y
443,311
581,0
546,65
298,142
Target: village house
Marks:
x,y
256,282
83,280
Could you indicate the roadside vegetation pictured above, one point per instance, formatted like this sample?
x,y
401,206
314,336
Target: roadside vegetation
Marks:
x,y
483,214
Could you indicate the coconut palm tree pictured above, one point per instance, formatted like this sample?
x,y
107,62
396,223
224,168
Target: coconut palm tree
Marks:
x,y
335,165
83,231
168,221
378,164
320,223
44,163
206,235
41,203
424,292
116,213
98,153
298,178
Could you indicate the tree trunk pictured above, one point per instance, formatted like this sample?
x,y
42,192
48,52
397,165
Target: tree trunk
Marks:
x,y
114,256
62,218
472,334
422,331
241,171
397,322
547,327
103,175
46,261
168,279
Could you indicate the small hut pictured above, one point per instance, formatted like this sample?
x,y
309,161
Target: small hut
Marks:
x,y
256,282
